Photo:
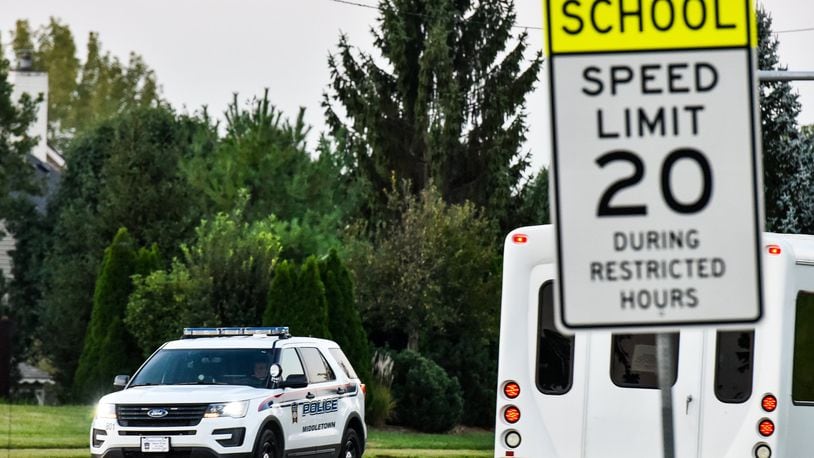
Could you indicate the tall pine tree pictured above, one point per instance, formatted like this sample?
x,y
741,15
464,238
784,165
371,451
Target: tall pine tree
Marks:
x,y
443,104
788,155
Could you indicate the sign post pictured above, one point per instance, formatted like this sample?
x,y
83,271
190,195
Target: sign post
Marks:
x,y
656,162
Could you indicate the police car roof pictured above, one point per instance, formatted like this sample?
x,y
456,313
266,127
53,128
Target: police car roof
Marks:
x,y
254,341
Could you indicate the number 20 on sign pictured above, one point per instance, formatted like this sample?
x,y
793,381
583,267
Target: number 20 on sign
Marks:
x,y
655,162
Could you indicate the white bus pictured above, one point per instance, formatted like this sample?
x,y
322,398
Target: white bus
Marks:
x,y
737,393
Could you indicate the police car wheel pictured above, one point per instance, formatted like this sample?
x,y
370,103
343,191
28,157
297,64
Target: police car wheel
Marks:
x,y
350,445
267,445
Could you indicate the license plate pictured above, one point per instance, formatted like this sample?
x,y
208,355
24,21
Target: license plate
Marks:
x,y
152,444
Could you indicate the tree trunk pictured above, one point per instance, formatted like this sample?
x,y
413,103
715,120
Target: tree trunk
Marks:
x,y
412,340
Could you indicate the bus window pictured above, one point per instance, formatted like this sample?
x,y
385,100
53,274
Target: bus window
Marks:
x,y
633,360
555,352
733,365
802,380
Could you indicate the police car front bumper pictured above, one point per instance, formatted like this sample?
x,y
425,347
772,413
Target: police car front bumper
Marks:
x,y
191,452
212,437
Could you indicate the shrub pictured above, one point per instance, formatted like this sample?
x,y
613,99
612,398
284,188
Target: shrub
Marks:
x,y
222,279
379,404
426,398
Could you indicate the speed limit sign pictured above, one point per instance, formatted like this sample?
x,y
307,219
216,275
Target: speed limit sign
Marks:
x,y
656,162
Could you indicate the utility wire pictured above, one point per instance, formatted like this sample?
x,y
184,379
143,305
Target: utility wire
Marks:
x,y
528,27
374,7
807,29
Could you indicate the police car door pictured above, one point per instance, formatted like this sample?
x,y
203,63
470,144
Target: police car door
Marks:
x,y
293,400
319,418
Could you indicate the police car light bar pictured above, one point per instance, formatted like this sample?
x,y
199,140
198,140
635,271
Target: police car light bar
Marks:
x,y
281,331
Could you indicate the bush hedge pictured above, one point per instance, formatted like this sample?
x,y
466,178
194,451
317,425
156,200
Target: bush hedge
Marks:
x,y
427,399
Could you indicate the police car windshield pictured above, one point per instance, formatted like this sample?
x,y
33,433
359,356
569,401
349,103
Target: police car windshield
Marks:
x,y
244,366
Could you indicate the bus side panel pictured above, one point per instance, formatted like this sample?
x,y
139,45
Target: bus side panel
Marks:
x,y
550,425
730,430
561,415
727,429
796,422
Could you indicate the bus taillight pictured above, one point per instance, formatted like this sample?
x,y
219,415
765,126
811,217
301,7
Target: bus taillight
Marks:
x,y
520,238
769,403
765,427
511,415
511,390
774,249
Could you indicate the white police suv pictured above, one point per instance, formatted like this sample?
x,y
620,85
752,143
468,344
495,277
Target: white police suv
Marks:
x,y
235,392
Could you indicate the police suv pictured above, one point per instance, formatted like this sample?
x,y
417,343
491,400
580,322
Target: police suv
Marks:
x,y
235,392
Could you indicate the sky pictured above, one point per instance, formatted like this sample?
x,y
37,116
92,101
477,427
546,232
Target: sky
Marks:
x,y
203,51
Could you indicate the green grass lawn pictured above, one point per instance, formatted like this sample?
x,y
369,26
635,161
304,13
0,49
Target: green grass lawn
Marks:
x,y
44,427
63,432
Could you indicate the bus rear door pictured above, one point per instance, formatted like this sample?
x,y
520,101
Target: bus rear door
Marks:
x,y
624,403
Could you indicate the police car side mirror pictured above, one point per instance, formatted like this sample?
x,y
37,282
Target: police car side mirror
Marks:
x,y
120,381
276,372
295,381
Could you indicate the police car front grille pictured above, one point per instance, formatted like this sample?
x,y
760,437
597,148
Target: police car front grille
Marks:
x,y
177,415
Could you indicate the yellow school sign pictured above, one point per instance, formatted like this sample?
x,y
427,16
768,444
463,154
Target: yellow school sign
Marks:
x,y
580,26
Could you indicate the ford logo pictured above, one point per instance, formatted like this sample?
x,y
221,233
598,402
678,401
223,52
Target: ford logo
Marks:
x,y
157,413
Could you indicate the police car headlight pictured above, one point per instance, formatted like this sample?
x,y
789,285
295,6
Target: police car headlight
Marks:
x,y
105,410
228,409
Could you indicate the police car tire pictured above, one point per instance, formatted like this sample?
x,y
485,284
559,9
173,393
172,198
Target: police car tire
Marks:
x,y
267,445
350,445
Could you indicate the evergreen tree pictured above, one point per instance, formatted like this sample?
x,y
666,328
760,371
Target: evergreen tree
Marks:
x,y
444,106
266,155
344,321
109,347
297,300
281,292
534,207
788,155
311,304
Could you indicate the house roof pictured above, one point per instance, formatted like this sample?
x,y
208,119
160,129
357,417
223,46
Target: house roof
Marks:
x,y
30,374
